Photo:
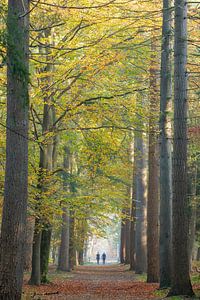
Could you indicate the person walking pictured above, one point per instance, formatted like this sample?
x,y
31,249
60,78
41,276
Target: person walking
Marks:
x,y
98,258
104,258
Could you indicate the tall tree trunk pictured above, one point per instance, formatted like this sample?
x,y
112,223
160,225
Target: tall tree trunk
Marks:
x,y
132,212
132,232
42,238
192,180
51,162
141,205
181,284
153,186
81,230
13,230
127,257
45,251
45,166
35,278
165,150
47,227
29,242
123,240
128,224
72,250
63,259
80,256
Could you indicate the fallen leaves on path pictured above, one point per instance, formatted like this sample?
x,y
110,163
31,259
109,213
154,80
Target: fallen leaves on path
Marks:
x,y
109,282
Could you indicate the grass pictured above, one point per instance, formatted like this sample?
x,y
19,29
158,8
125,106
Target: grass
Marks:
x,y
195,279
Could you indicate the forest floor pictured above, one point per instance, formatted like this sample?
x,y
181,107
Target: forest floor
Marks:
x,y
109,282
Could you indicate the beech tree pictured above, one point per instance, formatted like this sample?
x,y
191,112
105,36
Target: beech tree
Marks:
x,y
181,284
141,204
63,258
16,177
165,149
153,186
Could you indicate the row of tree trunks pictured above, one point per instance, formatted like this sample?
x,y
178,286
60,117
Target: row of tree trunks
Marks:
x,y
174,268
133,249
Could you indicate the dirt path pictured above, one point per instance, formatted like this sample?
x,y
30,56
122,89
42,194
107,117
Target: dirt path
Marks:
x,y
93,283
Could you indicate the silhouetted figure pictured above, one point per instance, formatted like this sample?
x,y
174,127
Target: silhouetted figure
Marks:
x,y
98,257
104,258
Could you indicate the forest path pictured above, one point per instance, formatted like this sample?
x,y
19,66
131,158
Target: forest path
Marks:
x,y
93,283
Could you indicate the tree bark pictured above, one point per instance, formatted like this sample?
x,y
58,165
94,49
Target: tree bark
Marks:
x,y
45,251
29,242
72,250
153,186
51,164
35,270
132,234
63,259
165,252
13,230
45,166
181,284
123,241
80,257
127,249
192,180
141,205
81,231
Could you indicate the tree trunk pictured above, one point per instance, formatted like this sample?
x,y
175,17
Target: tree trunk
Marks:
x,y
165,150
141,205
132,212
192,180
13,230
29,243
153,189
51,164
72,250
198,254
35,271
127,252
123,241
63,259
47,227
81,231
181,284
132,234
80,257
45,165
45,251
